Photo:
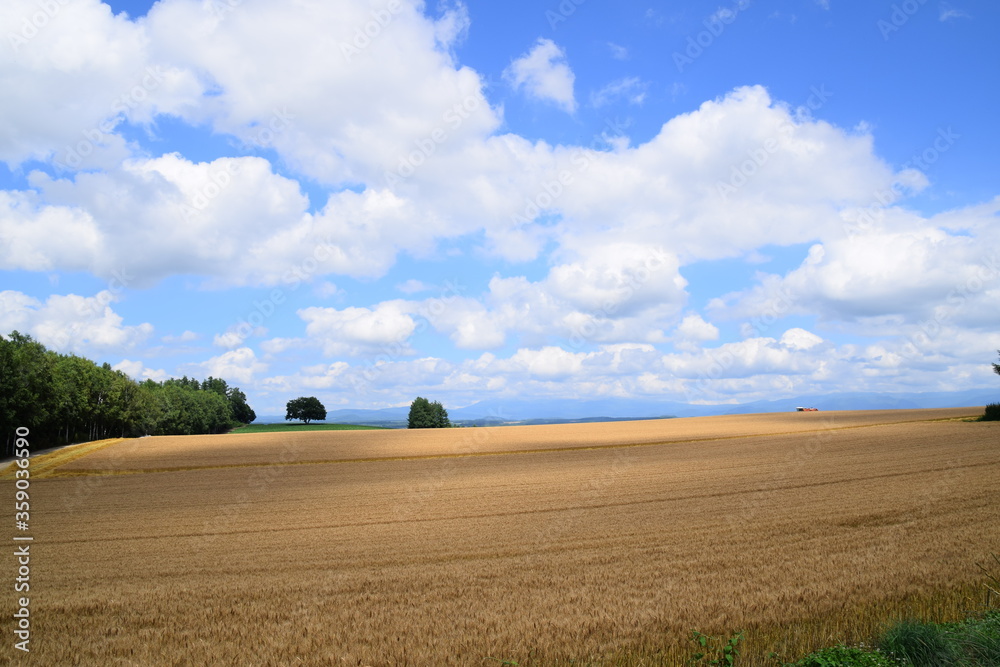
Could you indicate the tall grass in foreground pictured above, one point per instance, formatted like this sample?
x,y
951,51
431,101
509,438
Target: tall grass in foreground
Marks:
x,y
920,644
858,625
973,641
956,630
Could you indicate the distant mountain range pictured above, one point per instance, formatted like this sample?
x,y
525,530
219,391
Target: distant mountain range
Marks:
x,y
506,411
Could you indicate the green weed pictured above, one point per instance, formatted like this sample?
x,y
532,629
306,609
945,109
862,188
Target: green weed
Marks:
x,y
844,656
715,650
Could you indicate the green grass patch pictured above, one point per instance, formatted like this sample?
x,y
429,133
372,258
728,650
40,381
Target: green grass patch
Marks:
x,y
286,428
844,656
973,642
920,644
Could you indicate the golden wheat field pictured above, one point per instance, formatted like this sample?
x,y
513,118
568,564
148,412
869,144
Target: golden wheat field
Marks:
x,y
600,544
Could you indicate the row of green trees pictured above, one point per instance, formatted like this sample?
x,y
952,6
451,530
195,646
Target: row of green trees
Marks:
x,y
63,398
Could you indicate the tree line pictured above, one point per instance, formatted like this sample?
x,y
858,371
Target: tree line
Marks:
x,y
63,398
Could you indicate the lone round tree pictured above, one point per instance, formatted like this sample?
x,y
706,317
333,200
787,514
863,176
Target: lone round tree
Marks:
x,y
424,414
306,408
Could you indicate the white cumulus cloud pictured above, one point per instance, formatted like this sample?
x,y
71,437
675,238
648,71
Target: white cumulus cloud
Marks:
x,y
356,330
71,323
544,73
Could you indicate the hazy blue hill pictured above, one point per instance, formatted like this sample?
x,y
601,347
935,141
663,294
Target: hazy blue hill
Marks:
x,y
514,410
519,410
872,401
567,409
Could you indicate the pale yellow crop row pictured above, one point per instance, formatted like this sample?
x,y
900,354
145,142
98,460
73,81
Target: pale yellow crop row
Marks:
x,y
167,452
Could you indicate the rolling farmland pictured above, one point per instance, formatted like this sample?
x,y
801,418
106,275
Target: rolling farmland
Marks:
x,y
604,543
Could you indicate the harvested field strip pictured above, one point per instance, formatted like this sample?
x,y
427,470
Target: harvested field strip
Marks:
x,y
84,471
211,450
887,521
45,465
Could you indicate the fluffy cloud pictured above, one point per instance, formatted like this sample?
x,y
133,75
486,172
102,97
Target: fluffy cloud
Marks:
x,y
235,221
71,323
412,286
550,363
186,337
41,237
631,89
319,62
619,278
758,368
544,74
906,270
359,331
232,220
139,372
619,293
79,52
693,331
800,339
149,219
425,165
239,365
230,339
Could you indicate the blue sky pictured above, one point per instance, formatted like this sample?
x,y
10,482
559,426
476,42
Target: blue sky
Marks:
x,y
368,201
